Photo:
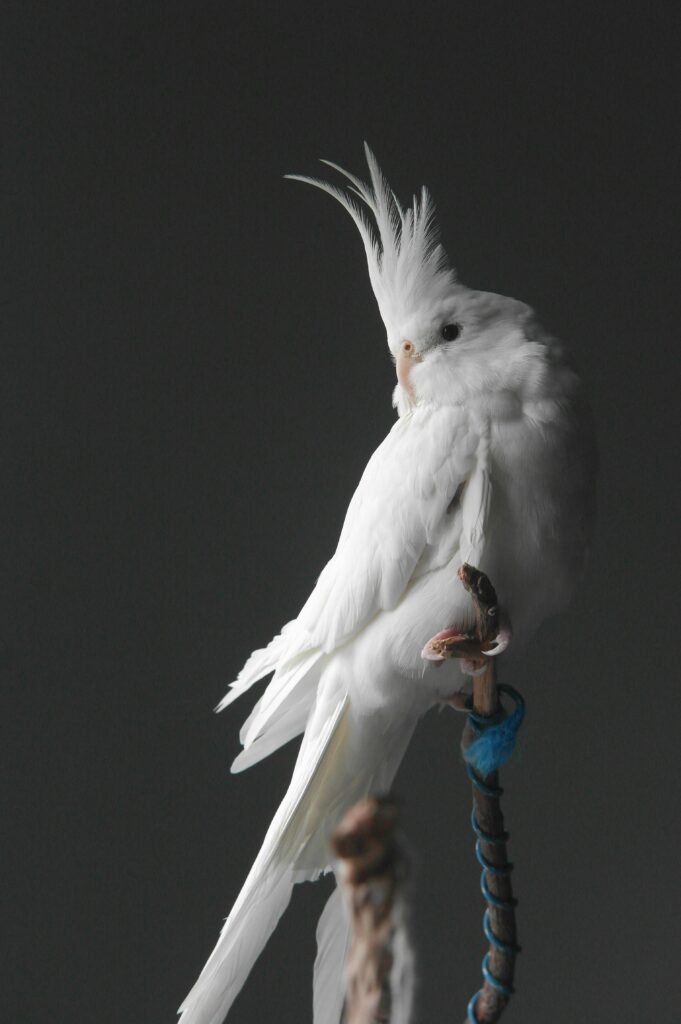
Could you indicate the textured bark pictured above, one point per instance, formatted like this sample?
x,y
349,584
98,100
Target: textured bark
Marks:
x,y
371,868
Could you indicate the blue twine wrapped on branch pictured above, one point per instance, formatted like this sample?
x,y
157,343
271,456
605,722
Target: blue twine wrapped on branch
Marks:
x,y
496,735
495,742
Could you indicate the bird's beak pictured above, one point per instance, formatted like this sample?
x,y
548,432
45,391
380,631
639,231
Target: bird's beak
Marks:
x,y
407,356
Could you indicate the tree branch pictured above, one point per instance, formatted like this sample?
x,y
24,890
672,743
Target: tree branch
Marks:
x,y
492,999
372,867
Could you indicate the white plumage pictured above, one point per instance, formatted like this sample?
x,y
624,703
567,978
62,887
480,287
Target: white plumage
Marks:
x,y
490,461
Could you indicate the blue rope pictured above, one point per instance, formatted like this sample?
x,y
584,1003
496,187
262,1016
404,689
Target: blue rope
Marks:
x,y
486,837
500,986
496,735
488,865
495,901
494,791
509,948
494,744
472,1019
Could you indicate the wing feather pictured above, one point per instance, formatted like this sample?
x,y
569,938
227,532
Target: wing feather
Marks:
x,y
398,526
397,510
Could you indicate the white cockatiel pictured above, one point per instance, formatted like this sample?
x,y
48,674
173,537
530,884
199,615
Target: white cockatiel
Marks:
x,y
491,461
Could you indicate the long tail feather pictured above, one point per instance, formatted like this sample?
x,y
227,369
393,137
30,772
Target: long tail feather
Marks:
x,y
241,942
333,941
343,756
267,890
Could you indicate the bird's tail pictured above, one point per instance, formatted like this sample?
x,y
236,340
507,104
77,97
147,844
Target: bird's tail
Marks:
x,y
267,890
342,758
333,942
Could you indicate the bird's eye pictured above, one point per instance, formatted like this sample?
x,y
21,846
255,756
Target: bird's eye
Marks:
x,y
450,332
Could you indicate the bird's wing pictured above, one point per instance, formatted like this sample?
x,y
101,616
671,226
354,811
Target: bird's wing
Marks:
x,y
392,532
395,513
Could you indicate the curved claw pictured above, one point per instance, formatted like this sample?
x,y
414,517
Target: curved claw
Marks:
x,y
499,644
428,654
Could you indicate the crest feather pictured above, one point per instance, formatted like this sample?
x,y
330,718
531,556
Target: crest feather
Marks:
x,y
408,267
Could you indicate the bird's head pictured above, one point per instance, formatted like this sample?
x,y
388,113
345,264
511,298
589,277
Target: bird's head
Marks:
x,y
448,341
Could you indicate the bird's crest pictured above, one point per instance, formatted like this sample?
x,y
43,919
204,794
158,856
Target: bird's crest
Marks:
x,y
408,267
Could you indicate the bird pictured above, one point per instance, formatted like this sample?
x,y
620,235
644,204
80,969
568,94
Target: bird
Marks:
x,y
491,461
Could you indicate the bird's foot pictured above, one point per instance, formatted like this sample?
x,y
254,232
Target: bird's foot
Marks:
x,y
453,643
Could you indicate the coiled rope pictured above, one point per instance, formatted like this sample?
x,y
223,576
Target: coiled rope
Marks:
x,y
494,743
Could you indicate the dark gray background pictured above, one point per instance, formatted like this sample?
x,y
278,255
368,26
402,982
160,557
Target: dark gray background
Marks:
x,y
194,374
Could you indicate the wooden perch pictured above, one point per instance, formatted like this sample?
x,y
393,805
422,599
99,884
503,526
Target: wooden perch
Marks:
x,y
491,1002
372,865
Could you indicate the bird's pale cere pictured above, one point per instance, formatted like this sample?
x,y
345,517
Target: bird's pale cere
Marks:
x,y
407,355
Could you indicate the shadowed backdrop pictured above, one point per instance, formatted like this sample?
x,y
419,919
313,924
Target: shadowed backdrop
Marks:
x,y
194,376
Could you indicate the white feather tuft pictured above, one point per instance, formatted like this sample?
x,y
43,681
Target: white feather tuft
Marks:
x,y
408,267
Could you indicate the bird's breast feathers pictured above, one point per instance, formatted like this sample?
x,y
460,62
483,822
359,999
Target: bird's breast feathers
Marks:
x,y
397,510
493,467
